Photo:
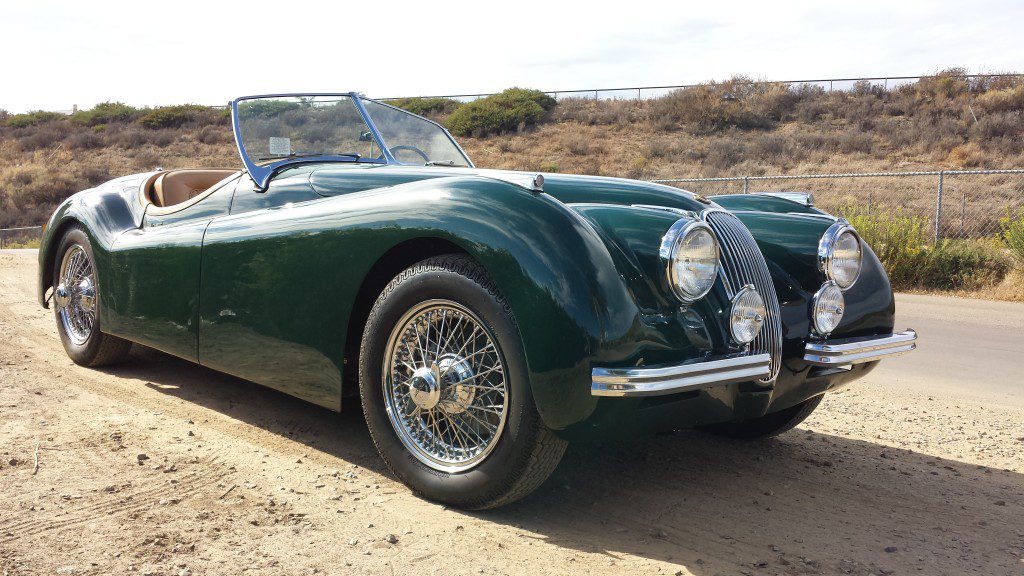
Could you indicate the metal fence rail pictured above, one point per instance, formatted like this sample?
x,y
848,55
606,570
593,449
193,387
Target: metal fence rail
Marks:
x,y
643,92
19,232
989,200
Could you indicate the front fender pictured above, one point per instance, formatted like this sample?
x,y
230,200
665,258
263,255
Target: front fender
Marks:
x,y
103,212
291,274
789,243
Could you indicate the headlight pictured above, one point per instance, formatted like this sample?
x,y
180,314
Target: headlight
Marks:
x,y
828,308
839,254
747,315
691,254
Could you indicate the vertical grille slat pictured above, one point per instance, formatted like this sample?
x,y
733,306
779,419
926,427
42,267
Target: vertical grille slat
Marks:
x,y
742,264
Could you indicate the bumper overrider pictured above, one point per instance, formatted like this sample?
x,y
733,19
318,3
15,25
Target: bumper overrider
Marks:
x,y
658,380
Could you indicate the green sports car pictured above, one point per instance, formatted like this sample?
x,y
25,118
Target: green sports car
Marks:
x,y
481,318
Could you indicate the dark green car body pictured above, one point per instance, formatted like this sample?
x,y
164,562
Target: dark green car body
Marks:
x,y
274,286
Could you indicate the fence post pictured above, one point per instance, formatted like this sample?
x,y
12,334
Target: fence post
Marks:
x,y
869,202
963,216
746,184
938,205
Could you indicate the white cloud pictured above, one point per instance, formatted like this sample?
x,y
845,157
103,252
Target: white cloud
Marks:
x,y
60,53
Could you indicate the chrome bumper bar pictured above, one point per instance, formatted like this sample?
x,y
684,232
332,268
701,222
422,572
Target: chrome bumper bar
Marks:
x,y
857,350
682,378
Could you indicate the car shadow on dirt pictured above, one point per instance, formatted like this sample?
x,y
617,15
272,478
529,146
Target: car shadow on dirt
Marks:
x,y
803,503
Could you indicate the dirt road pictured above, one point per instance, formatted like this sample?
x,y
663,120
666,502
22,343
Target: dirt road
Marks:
x,y
162,467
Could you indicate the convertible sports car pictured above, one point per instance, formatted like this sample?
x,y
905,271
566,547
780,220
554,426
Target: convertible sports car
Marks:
x,y
481,318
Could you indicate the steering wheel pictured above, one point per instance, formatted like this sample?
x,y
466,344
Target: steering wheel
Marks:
x,y
411,149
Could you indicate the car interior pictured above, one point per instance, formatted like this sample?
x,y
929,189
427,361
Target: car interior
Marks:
x,y
172,187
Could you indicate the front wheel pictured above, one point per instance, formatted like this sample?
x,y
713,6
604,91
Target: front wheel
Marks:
x,y
768,425
77,305
444,387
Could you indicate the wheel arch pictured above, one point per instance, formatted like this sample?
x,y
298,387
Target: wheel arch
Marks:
x,y
387,266
48,254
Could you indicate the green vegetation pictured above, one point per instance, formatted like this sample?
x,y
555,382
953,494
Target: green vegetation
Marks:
x,y
514,109
33,118
175,116
427,106
902,244
106,112
265,108
1013,235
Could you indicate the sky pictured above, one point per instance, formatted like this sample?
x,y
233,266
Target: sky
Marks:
x,y
58,54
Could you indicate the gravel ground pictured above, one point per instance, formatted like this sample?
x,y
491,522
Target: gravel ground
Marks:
x,y
162,467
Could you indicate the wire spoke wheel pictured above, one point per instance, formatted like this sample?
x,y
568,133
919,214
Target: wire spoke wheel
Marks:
x,y
445,386
75,295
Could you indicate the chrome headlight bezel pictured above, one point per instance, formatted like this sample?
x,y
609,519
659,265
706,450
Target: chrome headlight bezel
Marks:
x,y
670,244
827,248
817,303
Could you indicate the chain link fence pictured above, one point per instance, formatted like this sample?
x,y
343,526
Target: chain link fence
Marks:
x,y
953,203
17,237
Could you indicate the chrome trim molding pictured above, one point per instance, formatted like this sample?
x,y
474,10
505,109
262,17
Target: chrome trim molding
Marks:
x,y
655,381
742,263
858,350
805,198
826,248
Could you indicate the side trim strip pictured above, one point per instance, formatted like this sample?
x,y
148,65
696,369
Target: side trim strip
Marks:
x,y
858,350
660,380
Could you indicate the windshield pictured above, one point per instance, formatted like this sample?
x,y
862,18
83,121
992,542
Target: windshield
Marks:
x,y
272,129
412,139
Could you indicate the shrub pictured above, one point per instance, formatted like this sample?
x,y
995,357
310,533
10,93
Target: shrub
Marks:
x,y
962,265
1006,100
776,103
44,136
1013,235
513,109
427,106
32,118
174,116
712,107
901,244
106,112
84,141
214,135
598,112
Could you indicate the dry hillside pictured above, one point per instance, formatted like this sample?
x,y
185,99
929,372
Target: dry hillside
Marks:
x,y
729,128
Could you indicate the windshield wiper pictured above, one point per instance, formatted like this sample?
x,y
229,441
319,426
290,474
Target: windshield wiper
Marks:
x,y
307,155
449,163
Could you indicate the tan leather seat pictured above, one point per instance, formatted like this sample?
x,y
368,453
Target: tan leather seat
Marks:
x,y
177,186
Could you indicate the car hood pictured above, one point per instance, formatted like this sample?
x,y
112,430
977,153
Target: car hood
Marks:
x,y
338,179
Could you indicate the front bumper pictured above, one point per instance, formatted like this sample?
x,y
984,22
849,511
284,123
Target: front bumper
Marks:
x,y
849,351
655,381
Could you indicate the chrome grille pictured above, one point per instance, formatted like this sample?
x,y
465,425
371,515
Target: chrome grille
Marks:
x,y
742,264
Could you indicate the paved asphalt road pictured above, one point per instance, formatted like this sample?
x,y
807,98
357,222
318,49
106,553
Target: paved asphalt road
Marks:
x,y
967,348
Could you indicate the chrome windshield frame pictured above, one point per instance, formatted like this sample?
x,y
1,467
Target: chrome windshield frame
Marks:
x,y
262,174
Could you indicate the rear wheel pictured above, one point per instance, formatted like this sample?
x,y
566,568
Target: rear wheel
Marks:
x,y
444,387
76,305
768,425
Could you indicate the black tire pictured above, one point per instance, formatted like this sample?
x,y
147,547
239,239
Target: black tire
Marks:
x,y
524,454
98,349
768,425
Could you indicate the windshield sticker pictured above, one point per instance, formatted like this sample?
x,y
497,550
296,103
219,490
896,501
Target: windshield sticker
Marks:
x,y
280,146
